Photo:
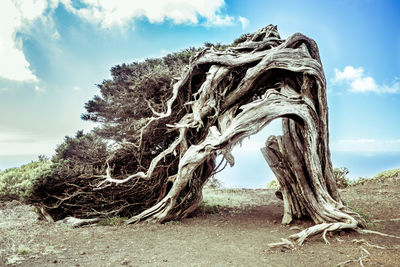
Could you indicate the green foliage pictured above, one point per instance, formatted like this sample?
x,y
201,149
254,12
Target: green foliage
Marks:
x,y
213,183
208,208
20,183
124,100
241,39
273,184
22,250
380,177
365,215
113,221
84,153
217,46
394,173
340,175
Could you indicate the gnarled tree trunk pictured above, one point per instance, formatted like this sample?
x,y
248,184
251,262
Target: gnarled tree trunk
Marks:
x,y
243,89
231,94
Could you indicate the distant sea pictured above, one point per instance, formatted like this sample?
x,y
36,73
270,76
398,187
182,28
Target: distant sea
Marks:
x,y
253,172
366,164
13,161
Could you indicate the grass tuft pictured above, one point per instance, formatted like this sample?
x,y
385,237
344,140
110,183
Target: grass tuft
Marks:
x,y
23,250
365,215
113,221
208,208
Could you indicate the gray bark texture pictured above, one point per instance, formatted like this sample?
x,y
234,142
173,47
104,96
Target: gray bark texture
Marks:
x,y
235,93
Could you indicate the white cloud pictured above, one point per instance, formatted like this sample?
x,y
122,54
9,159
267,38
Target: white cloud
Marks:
x,y
366,145
14,16
56,35
17,16
14,142
252,145
120,12
358,82
76,88
38,89
243,21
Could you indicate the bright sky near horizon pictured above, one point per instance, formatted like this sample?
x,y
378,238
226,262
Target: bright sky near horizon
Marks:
x,y
54,52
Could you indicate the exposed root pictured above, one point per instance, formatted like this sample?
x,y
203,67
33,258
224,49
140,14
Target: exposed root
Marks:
x,y
287,244
76,222
387,220
365,231
323,228
364,242
364,254
156,213
44,214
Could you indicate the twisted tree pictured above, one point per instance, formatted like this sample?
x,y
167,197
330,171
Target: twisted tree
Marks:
x,y
222,96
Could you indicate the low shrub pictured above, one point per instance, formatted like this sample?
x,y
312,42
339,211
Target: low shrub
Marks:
x,y
341,179
273,184
394,173
208,208
20,183
213,183
380,177
113,221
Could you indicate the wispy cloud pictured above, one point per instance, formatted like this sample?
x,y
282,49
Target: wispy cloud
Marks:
x,y
358,82
17,16
120,12
39,89
15,142
243,21
14,16
366,145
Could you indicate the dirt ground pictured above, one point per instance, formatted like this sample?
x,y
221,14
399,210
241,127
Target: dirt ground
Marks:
x,y
235,235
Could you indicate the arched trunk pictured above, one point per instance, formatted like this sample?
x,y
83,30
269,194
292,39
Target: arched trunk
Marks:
x,y
225,96
285,82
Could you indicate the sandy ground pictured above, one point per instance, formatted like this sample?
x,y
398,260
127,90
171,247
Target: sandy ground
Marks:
x,y
236,235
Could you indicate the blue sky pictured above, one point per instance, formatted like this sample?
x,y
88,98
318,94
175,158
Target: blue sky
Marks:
x,y
54,52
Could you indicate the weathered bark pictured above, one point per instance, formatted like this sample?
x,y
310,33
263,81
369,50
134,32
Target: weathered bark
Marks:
x,y
280,79
227,96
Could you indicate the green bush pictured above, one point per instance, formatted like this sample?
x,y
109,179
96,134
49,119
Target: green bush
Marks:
x,y
213,183
395,173
82,154
208,208
113,221
19,183
340,175
365,215
273,184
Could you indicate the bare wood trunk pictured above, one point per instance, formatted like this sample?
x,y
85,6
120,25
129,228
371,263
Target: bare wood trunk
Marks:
x,y
234,94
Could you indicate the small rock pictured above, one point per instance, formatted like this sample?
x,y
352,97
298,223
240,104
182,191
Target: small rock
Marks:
x,y
124,262
82,253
